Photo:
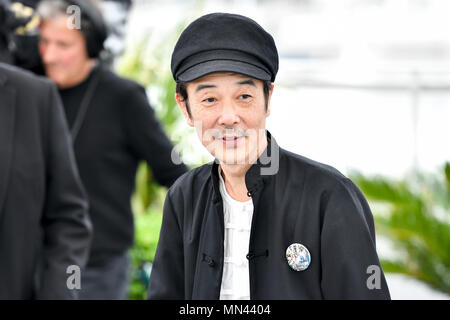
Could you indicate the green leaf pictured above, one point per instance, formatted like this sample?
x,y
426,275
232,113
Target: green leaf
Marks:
x,y
411,224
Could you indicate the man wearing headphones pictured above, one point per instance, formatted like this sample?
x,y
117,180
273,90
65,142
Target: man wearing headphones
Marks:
x,y
113,128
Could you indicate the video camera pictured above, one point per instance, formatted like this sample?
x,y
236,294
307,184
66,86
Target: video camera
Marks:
x,y
19,36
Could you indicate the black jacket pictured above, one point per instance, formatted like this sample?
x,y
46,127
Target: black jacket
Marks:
x,y
44,224
303,202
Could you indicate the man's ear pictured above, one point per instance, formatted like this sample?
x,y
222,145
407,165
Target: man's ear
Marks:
x,y
183,106
268,100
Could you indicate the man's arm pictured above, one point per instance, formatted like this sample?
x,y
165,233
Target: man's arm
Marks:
x,y
148,139
66,224
167,276
350,265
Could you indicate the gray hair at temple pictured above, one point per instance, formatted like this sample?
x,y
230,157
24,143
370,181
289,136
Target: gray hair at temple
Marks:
x,y
92,24
49,9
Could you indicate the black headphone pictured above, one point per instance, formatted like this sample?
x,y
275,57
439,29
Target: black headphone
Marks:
x,y
94,31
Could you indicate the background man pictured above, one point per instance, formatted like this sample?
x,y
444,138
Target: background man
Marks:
x,y
260,222
113,128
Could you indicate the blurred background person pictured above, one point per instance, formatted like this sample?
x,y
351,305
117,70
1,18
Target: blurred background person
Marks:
x,y
44,222
113,127
23,42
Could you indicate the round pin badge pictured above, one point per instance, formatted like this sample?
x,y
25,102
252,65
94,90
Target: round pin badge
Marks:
x,y
298,257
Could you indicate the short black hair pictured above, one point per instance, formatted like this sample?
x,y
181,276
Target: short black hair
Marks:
x,y
182,91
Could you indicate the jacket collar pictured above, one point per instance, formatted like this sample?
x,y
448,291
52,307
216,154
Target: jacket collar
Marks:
x,y
265,167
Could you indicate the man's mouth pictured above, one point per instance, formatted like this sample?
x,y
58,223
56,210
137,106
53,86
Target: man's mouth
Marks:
x,y
232,138
231,141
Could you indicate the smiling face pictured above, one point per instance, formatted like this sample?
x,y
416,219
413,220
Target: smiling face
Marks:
x,y
229,113
63,52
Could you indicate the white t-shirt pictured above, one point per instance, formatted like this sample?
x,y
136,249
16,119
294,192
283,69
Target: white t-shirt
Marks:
x,y
238,220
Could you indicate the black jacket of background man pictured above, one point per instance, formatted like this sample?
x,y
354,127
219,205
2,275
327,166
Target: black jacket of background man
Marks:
x,y
119,130
304,202
44,224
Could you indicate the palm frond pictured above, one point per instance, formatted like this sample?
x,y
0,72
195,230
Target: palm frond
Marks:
x,y
412,225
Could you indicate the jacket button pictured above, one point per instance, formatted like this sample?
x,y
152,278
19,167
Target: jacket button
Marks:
x,y
208,260
249,194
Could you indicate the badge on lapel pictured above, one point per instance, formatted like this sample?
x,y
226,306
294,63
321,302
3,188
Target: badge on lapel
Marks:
x,y
298,257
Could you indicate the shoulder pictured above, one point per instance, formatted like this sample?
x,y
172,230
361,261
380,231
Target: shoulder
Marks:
x,y
309,169
34,94
190,182
23,80
337,194
319,179
329,185
118,83
128,97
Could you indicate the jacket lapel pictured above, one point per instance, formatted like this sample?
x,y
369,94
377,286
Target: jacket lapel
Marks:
x,y
7,118
208,275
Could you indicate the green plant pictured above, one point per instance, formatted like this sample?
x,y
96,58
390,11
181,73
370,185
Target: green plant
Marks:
x,y
149,66
146,239
414,215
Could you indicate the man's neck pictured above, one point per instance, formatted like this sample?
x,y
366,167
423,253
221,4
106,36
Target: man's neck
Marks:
x,y
234,176
82,76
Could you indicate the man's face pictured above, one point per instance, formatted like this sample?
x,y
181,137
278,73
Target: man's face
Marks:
x,y
229,112
63,52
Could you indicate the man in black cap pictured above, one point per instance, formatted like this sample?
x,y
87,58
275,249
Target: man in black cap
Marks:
x,y
259,222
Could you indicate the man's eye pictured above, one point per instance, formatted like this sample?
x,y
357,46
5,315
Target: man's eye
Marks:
x,y
245,97
63,45
209,100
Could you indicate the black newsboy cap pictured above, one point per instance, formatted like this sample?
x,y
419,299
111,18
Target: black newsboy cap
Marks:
x,y
223,42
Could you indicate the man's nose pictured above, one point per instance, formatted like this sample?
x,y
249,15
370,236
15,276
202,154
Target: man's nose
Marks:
x,y
49,54
229,115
